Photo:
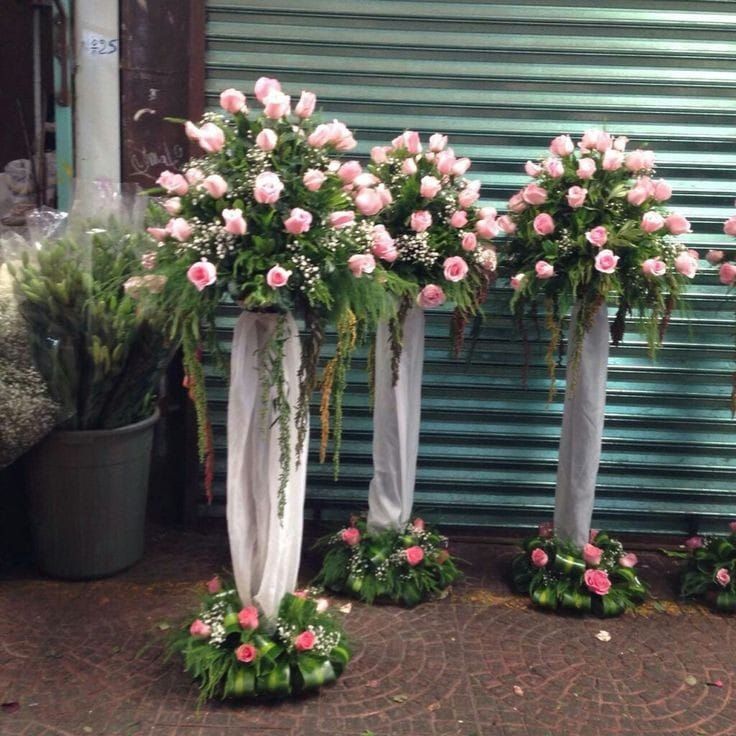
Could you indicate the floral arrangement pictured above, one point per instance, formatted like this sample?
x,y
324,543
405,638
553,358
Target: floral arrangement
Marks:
x,y
234,653
709,571
592,225
407,566
600,579
262,217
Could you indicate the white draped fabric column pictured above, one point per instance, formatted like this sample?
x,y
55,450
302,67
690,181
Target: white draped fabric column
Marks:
x,y
265,551
582,433
396,417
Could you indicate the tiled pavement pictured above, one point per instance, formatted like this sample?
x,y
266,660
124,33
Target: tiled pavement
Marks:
x,y
87,658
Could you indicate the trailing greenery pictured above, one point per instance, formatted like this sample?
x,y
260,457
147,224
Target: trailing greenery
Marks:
x,y
598,579
406,567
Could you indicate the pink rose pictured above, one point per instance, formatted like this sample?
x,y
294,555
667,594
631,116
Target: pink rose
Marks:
x,y
277,277
597,581
487,213
431,296
264,87
383,244
640,160
429,187
714,256
638,195
277,105
596,140
722,577
305,107
727,274
586,168
546,529
322,605
544,224
266,140
341,137
409,167
215,186
532,169
459,219
732,527
298,222
562,145
445,161
686,265
487,258
652,221
214,585
576,196
202,274
620,143
341,219
534,194
361,263
267,188
348,171
469,242
384,194
544,270
695,542
234,221
554,168
194,175
592,534
211,138
628,560
661,190
420,221
313,179
248,617
191,131
408,140
200,630
460,167
179,228
469,196
592,554
157,233
598,236
487,228
368,202
516,281
365,179
539,557
606,261
437,142
232,101
414,555
351,536
173,183
320,136
516,203
677,224
305,641
455,268
612,160
173,206
246,653
507,224
729,227
379,154
418,524
654,267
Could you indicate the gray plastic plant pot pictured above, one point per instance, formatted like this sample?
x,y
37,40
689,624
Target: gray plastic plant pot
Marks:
x,y
88,492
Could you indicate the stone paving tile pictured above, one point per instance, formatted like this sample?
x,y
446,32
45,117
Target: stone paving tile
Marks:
x,y
87,658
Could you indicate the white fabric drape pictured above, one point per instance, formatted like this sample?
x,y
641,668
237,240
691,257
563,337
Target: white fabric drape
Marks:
x,y
265,551
582,433
396,417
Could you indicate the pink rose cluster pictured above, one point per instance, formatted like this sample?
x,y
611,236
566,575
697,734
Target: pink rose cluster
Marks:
x,y
726,269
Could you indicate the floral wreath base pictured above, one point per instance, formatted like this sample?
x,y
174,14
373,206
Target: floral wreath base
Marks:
x,y
232,653
599,578
406,567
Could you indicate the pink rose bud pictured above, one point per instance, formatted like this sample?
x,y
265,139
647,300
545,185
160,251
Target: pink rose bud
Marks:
x,y
686,265
414,555
268,188
544,224
597,236
368,202
348,171
677,224
361,263
173,183
232,101
597,581
320,136
596,140
592,534
727,274
234,221
431,296
264,87
606,261
714,256
194,176
469,242
300,594
211,138
637,196
379,154
409,167
322,605
266,140
532,168
539,557
214,585
305,641
628,560
695,542
246,653
544,270
385,195
661,190
179,228
586,168
305,107
612,160
200,630
420,221
341,219
277,277
576,196
365,179
487,228
561,146
298,222
437,142
429,186
592,555
722,577
381,237
654,267
546,529
455,268
157,233
507,224
202,274
215,186
248,617
460,167
410,140
277,105
469,196
459,219
418,524
445,161
534,194
191,131
640,160
620,143
487,213
517,281
732,527
173,206
651,222
351,536
554,167
729,227
313,179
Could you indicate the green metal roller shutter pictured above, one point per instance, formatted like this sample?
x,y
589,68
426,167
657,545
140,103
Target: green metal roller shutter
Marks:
x,y
501,79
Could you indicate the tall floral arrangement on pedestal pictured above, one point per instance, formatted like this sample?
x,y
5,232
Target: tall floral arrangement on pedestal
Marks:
x,y
592,225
